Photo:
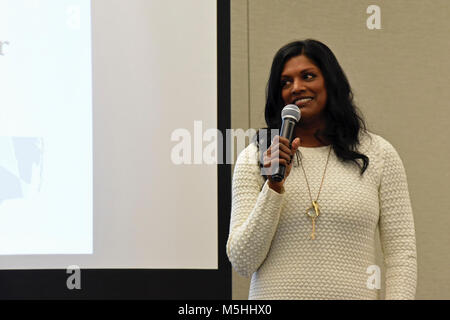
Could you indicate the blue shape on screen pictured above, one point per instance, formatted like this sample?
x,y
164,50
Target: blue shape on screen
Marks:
x,y
28,154
9,186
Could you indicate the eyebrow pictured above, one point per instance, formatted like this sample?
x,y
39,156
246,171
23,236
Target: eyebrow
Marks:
x,y
303,71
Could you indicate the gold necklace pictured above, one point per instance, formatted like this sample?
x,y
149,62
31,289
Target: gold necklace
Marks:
x,y
314,211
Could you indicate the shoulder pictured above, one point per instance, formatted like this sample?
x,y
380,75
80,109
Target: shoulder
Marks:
x,y
371,142
380,150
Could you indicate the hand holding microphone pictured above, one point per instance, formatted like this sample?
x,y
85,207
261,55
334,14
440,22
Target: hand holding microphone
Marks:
x,y
281,151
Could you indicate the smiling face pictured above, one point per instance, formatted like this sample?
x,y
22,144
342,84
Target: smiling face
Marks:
x,y
303,84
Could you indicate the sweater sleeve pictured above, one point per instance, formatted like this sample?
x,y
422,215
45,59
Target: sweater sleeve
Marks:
x,y
397,233
255,213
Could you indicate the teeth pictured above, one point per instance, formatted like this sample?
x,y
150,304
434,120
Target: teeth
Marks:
x,y
303,100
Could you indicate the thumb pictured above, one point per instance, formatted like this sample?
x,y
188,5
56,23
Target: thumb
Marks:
x,y
295,144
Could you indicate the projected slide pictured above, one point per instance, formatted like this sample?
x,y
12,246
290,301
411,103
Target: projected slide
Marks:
x,y
91,93
45,127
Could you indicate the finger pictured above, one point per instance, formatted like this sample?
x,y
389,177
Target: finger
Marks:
x,y
276,140
266,162
280,155
276,148
274,154
270,166
284,141
284,148
295,144
285,155
283,162
275,162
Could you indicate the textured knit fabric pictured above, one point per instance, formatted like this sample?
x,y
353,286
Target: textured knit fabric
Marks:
x,y
270,232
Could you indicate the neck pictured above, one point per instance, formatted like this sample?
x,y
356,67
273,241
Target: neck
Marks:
x,y
306,134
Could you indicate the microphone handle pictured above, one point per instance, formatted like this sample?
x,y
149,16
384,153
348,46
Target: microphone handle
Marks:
x,y
286,131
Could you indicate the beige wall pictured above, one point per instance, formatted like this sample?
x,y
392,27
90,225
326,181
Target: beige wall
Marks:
x,y
401,78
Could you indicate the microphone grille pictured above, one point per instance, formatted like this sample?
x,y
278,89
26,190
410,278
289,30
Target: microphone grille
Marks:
x,y
291,111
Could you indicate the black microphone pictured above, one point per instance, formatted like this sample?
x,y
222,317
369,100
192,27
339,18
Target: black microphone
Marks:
x,y
290,115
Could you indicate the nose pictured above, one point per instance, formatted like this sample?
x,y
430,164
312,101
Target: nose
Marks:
x,y
298,86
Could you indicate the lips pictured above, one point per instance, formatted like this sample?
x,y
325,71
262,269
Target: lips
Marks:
x,y
302,101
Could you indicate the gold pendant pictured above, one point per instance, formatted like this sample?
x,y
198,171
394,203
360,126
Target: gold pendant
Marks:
x,y
313,212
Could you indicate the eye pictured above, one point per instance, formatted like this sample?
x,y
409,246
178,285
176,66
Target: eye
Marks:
x,y
285,83
309,76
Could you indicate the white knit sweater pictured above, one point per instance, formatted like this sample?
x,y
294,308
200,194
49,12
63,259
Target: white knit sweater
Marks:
x,y
270,232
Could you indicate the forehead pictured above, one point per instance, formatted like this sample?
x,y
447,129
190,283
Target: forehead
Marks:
x,y
298,64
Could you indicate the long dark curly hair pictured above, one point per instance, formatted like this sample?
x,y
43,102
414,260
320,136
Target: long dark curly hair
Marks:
x,y
342,118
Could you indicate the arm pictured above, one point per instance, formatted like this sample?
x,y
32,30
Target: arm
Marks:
x,y
254,215
397,233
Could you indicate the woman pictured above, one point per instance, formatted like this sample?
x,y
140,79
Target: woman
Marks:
x,y
312,235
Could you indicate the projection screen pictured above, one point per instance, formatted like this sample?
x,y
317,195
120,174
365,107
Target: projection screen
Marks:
x,y
96,100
